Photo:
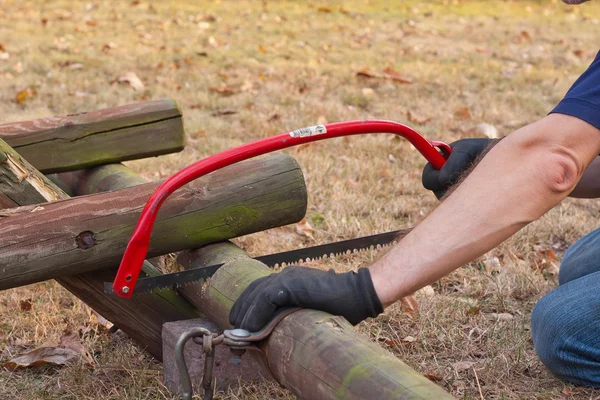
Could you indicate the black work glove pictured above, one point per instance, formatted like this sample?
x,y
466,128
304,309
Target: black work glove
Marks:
x,y
464,153
349,294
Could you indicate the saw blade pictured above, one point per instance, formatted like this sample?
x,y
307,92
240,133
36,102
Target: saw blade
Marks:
x,y
177,279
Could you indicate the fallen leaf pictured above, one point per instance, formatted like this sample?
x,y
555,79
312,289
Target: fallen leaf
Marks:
x,y
326,10
463,365
463,113
416,118
410,305
76,66
71,340
133,80
219,113
500,316
433,377
24,95
261,49
492,265
225,90
42,356
303,228
426,291
524,36
108,46
25,305
389,73
368,92
2,48
483,129
578,53
212,42
274,117
396,342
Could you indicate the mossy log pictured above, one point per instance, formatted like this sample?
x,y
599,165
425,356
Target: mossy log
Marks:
x,y
88,233
316,355
72,142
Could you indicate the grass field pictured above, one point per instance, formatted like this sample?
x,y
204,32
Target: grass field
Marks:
x,y
243,70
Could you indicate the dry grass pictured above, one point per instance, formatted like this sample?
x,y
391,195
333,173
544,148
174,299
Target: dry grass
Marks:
x,y
290,65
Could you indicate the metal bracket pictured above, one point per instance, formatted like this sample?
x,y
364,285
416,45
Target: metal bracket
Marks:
x,y
238,341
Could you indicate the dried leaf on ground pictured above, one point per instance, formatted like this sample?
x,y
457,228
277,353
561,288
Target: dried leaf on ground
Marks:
x,y
42,356
71,340
24,95
225,90
410,305
483,129
416,118
68,350
545,259
396,342
304,228
219,113
25,305
463,365
433,377
500,316
388,74
133,80
463,113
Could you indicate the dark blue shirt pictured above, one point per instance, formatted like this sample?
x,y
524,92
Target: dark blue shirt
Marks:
x,y
583,99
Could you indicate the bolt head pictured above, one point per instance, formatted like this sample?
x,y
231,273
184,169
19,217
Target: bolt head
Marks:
x,y
241,333
125,289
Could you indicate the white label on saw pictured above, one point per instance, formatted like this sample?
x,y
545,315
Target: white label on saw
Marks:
x,y
309,131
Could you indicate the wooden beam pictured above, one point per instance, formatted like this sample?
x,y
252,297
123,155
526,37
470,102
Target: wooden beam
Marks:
x,y
91,232
110,135
312,353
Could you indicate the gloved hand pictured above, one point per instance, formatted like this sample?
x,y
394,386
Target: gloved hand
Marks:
x,y
349,294
464,153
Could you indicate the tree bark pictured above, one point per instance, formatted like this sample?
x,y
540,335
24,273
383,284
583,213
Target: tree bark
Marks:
x,y
110,135
88,233
312,353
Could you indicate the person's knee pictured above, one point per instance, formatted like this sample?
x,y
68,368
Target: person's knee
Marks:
x,y
561,343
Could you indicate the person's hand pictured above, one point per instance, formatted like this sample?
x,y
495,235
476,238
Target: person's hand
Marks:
x,y
350,295
464,153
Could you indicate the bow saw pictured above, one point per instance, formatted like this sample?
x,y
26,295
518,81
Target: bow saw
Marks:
x,y
126,280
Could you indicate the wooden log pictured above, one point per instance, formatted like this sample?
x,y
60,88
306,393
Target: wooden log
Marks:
x,y
91,232
312,353
141,318
110,135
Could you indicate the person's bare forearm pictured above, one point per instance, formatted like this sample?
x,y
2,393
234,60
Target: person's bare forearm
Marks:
x,y
588,186
522,177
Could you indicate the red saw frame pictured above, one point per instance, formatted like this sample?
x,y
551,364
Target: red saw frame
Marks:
x,y
137,248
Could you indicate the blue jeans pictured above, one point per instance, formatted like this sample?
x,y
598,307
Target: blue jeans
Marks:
x,y
565,323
